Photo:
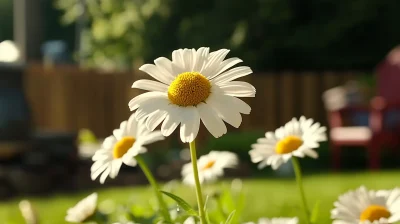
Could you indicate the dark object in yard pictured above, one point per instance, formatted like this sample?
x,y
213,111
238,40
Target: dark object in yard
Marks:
x,y
48,162
15,116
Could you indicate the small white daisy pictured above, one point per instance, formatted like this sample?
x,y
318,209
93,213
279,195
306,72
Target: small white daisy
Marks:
x,y
126,142
297,138
82,211
195,85
276,221
364,206
210,166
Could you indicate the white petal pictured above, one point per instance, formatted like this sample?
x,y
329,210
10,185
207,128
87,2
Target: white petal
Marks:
x,y
201,58
214,60
232,74
141,129
225,110
177,57
156,73
150,85
188,59
190,124
131,127
129,161
142,98
96,165
150,106
171,122
228,63
165,66
105,175
115,166
238,89
155,119
211,120
151,138
118,133
100,170
311,153
239,104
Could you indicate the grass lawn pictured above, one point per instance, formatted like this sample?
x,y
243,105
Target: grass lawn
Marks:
x,y
264,197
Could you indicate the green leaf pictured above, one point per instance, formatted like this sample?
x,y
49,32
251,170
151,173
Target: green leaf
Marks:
x,y
315,212
230,217
182,203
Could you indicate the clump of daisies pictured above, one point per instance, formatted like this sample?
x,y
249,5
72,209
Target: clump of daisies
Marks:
x,y
199,86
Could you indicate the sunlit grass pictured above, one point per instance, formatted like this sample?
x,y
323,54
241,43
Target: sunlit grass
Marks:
x,y
264,198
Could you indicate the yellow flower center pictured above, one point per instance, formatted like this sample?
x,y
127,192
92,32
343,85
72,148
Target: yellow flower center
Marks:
x,y
288,145
374,212
122,146
189,89
208,165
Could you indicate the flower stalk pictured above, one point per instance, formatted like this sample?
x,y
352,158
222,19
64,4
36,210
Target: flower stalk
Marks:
x,y
297,170
199,194
162,205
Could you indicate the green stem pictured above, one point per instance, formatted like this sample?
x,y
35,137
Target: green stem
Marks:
x,y
153,182
200,201
221,208
297,170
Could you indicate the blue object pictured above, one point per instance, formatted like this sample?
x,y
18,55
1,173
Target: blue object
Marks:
x,y
55,51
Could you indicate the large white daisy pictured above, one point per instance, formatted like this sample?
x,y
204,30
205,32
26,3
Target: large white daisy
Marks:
x,y
195,85
276,221
364,206
297,138
210,166
83,210
126,142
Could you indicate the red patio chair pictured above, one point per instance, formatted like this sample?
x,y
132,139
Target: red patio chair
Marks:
x,y
382,114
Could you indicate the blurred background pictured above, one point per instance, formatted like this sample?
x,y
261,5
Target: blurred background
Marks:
x,y
66,68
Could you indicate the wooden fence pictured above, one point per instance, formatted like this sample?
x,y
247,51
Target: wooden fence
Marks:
x,y
69,99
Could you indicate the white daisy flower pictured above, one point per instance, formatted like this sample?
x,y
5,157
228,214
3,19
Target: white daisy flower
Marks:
x,y
126,142
276,221
195,85
364,206
297,138
210,166
82,211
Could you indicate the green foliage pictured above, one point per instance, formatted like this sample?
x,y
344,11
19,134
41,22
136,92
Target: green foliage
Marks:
x,y
237,142
230,218
274,34
6,24
182,203
315,212
86,136
264,198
